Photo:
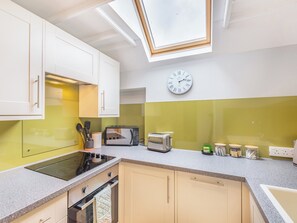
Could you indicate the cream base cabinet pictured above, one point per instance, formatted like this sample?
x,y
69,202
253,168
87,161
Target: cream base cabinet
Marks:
x,y
69,57
102,100
255,214
146,194
250,210
54,211
21,63
201,198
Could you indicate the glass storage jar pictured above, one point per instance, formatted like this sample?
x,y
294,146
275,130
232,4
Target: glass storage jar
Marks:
x,y
220,149
251,152
235,150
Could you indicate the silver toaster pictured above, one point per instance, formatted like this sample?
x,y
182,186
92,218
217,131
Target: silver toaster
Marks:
x,y
160,142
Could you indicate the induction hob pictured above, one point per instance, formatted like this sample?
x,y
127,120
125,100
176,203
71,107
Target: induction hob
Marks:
x,y
70,166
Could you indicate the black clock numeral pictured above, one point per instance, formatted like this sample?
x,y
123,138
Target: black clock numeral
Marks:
x,y
188,80
170,82
171,86
174,89
179,90
188,85
184,88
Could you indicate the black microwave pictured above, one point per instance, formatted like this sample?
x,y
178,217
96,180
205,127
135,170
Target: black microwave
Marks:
x,y
121,136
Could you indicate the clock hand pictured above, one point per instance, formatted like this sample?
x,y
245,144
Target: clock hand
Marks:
x,y
182,80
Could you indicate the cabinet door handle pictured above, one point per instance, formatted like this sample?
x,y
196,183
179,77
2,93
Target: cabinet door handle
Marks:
x,y
103,100
217,183
38,91
167,189
42,221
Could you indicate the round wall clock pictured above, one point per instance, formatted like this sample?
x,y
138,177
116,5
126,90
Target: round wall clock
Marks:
x,y
179,82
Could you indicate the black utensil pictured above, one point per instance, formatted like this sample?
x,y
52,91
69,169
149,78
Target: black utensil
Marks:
x,y
87,126
80,129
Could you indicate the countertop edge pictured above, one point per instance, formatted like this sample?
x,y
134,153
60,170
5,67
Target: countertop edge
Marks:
x,y
189,170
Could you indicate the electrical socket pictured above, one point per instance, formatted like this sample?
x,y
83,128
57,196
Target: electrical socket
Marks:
x,y
281,151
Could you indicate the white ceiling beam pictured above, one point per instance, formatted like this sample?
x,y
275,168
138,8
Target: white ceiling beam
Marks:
x,y
100,37
76,10
114,46
116,27
227,13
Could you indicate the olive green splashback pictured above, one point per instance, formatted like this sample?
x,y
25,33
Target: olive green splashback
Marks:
x,y
58,129
256,121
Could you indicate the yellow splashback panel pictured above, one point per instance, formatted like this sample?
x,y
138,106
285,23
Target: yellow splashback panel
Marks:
x,y
41,135
57,130
256,121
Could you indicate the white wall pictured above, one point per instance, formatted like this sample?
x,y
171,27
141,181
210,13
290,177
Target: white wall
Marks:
x,y
263,73
133,96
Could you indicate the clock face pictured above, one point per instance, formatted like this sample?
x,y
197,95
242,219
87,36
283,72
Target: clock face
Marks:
x,y
179,82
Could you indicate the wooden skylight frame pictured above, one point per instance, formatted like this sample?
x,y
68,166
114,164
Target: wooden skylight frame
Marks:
x,y
179,46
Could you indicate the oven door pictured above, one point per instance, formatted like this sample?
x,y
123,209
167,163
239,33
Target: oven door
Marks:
x,y
84,210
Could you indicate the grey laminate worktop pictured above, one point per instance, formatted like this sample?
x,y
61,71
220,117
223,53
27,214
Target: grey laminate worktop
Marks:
x,y
22,190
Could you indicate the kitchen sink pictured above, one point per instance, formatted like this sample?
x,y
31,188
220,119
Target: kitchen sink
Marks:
x,y
284,200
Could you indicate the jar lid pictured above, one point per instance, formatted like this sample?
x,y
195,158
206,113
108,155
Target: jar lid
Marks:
x,y
251,147
220,144
235,146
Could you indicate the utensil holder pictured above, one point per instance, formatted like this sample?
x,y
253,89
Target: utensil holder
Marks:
x,y
89,144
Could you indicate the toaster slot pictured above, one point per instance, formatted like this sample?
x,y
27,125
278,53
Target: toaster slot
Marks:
x,y
156,140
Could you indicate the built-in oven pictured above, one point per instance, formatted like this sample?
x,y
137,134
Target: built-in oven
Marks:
x,y
81,199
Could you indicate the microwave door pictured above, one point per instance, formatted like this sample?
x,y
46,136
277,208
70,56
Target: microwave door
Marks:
x,y
119,137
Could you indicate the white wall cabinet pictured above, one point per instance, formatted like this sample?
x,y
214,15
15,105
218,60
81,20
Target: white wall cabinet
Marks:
x,y
102,100
109,86
21,63
146,194
69,57
207,199
54,211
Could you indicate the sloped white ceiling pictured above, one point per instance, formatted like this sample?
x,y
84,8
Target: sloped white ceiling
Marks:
x,y
254,24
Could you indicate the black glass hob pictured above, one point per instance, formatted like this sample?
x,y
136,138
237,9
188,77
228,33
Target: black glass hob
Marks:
x,y
70,166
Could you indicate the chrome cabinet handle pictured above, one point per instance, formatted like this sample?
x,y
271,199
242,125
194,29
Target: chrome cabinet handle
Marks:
x,y
42,221
217,183
38,91
103,100
167,189
114,184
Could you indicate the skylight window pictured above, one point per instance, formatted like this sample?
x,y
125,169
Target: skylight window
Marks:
x,y
174,25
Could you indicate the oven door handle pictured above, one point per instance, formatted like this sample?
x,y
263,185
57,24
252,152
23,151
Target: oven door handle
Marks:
x,y
84,206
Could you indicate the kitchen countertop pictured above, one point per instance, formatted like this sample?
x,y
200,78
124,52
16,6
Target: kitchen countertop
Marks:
x,y
22,190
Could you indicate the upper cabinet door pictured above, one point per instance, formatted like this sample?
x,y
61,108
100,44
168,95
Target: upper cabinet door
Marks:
x,y
69,57
109,87
21,63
